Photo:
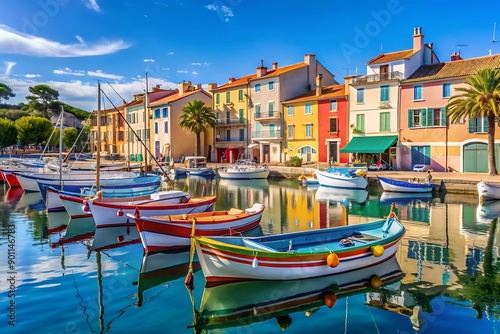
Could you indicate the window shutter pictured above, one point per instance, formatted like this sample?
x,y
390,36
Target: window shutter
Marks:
x,y
410,118
423,119
443,116
471,125
485,124
430,117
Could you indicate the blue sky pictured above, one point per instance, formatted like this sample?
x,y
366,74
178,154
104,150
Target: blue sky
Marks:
x,y
70,44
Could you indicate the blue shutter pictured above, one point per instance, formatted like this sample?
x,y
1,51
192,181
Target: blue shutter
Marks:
x,y
410,118
471,125
443,116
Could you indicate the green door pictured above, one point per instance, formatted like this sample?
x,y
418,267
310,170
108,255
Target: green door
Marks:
x,y
476,158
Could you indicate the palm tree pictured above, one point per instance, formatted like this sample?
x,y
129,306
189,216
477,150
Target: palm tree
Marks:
x,y
197,117
480,98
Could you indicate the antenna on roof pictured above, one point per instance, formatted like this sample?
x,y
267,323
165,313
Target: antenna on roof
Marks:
x,y
493,40
460,46
262,63
347,70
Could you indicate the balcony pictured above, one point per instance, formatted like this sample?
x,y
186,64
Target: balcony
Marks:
x,y
377,78
270,134
267,116
223,139
229,121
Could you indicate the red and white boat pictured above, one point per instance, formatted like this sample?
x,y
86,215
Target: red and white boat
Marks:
x,y
166,231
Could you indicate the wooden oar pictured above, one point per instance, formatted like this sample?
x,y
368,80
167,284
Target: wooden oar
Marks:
x,y
188,282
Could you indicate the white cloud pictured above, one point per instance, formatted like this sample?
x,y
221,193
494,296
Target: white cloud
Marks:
x,y
182,71
92,4
101,74
149,60
165,68
68,71
15,42
170,53
8,67
196,64
224,12
30,76
195,73
227,11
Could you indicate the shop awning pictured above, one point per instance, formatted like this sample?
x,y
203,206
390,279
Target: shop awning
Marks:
x,y
252,145
369,144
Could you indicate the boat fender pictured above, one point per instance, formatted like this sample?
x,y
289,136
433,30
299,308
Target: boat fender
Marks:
x,y
332,260
184,199
137,214
255,263
119,213
346,242
85,206
330,299
377,250
375,282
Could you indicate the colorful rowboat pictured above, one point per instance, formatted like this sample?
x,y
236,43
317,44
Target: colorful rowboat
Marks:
x,y
342,180
405,186
298,255
162,232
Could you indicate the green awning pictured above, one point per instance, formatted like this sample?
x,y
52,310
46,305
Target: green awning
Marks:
x,y
369,144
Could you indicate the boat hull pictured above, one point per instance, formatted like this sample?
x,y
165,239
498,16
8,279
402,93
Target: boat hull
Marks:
x,y
341,181
488,191
243,172
404,187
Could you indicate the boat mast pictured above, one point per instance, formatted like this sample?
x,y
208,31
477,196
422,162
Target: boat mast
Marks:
x,y
146,119
98,148
60,148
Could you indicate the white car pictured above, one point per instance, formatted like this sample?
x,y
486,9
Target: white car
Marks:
x,y
419,168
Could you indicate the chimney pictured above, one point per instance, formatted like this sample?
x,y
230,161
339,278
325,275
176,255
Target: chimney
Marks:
x,y
156,88
231,80
261,70
275,65
184,87
347,83
212,86
455,56
309,58
418,39
319,87
197,86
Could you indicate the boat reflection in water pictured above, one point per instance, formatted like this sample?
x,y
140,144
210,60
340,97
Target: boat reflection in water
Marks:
x,y
243,303
114,237
387,198
486,212
343,196
76,230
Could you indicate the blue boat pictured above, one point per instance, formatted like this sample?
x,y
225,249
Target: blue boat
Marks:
x,y
405,186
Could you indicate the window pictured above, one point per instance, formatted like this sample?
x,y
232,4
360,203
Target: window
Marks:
x,y
333,105
270,106
156,128
308,109
240,95
228,117
417,93
228,135
272,130
414,118
257,88
241,134
164,112
271,85
360,122
291,131
228,96
421,155
309,130
426,117
385,121
217,98
257,111
333,125
479,124
157,113
290,111
165,127
446,90
360,95
241,116
384,94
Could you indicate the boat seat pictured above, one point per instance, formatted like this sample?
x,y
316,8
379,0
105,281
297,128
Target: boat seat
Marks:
x,y
255,208
234,211
363,237
256,245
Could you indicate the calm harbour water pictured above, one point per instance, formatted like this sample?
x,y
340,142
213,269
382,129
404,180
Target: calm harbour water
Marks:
x,y
77,280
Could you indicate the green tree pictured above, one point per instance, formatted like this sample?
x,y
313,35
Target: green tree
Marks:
x,y
33,129
41,98
69,136
197,117
5,92
8,133
54,140
480,98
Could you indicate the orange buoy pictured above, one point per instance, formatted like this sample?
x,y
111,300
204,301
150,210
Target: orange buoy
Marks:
x,y
330,299
375,282
332,260
377,250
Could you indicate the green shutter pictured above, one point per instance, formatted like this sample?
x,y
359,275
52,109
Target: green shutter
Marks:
x,y
485,124
410,118
471,125
240,95
430,117
423,117
443,116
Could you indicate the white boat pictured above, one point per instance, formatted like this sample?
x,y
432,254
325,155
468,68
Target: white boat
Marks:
x,y
242,170
405,186
341,180
343,196
486,212
197,166
488,191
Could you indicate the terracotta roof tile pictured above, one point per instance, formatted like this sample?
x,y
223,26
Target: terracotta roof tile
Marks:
x,y
452,69
328,92
392,56
175,97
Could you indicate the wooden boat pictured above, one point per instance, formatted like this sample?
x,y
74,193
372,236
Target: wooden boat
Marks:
x,y
242,170
244,303
197,166
405,186
387,198
488,191
308,180
299,255
344,196
160,232
114,213
342,180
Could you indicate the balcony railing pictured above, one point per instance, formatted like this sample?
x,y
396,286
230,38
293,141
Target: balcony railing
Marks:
x,y
266,134
378,77
229,121
271,115
230,139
